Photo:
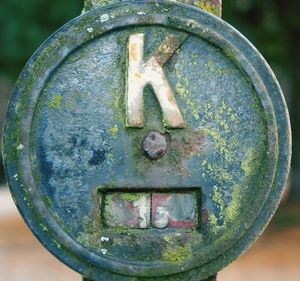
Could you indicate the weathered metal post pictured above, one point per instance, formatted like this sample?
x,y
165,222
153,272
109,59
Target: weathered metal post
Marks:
x,y
212,6
147,140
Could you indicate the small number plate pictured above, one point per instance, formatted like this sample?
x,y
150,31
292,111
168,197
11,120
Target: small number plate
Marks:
x,y
149,210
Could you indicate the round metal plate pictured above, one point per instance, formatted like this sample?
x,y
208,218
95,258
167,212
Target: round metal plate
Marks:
x,y
67,147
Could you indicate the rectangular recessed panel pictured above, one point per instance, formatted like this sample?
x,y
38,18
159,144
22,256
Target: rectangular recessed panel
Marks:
x,y
140,210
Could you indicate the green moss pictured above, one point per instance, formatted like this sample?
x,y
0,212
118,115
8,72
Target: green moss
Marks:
x,y
91,4
218,123
175,156
218,198
182,90
47,201
55,102
57,244
88,240
131,196
110,156
117,104
211,66
249,164
212,220
114,131
233,209
177,254
44,228
207,6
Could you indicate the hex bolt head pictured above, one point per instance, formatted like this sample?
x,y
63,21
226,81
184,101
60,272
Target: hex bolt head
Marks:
x,y
154,145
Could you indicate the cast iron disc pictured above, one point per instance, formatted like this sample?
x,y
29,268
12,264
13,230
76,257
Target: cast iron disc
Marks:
x,y
66,142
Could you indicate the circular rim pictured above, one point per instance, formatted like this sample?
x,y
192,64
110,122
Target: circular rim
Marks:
x,y
73,35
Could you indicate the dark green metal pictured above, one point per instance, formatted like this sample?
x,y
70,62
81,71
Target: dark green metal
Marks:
x,y
212,278
212,6
67,148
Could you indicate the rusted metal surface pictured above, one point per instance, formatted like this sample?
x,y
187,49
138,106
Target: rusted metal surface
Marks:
x,y
167,49
154,145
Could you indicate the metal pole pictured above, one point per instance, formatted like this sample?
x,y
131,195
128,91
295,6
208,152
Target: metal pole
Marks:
x,y
213,278
212,6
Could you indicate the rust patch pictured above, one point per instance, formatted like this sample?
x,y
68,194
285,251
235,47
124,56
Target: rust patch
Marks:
x,y
133,52
167,48
193,143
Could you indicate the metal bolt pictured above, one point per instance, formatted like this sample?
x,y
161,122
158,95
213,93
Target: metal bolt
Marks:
x,y
154,145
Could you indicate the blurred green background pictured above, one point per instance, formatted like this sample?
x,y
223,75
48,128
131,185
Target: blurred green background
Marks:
x,y
273,26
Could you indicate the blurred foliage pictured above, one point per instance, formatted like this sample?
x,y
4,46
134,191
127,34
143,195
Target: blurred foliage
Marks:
x,y
274,28
26,24
272,25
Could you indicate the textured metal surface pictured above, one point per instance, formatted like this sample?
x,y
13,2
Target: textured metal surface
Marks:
x,y
174,210
66,142
212,6
213,278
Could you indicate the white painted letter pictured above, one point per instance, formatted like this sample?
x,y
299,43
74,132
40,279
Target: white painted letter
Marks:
x,y
141,73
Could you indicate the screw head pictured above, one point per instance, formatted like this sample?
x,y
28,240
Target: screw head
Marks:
x,y
154,145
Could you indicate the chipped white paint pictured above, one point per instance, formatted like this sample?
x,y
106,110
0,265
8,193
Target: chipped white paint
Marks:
x,y
192,23
90,29
104,239
161,217
104,17
143,206
103,251
20,147
142,73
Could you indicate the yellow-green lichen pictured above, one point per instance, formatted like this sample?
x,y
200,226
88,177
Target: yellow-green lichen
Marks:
x,y
182,90
176,249
116,103
110,156
250,162
114,131
233,208
92,4
213,222
218,198
177,254
209,7
227,212
55,102
131,196
219,122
